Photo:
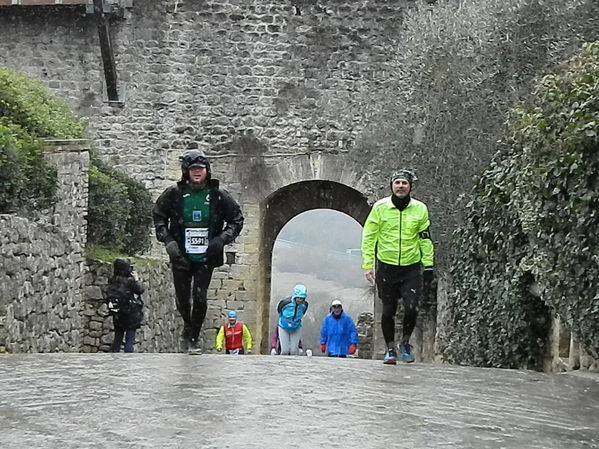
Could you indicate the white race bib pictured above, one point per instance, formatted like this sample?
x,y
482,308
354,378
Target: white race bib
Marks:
x,y
196,240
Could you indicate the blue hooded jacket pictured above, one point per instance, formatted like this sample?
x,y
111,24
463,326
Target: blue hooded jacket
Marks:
x,y
338,334
291,314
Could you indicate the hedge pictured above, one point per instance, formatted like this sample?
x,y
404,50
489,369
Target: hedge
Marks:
x,y
119,210
528,247
119,207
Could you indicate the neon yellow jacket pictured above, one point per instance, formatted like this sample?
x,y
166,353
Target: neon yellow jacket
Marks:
x,y
400,237
247,337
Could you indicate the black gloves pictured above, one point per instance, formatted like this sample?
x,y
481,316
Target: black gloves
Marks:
x,y
428,275
214,253
215,247
177,257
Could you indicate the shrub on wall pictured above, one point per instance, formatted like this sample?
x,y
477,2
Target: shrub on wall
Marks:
x,y
29,111
528,229
109,208
119,210
119,207
29,104
27,183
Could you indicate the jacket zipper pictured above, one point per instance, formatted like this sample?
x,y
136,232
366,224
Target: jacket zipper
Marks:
x,y
400,223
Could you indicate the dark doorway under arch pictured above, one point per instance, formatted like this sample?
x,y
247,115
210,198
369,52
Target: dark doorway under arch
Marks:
x,y
282,206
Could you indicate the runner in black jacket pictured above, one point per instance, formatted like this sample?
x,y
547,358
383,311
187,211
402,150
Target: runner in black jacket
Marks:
x,y
195,219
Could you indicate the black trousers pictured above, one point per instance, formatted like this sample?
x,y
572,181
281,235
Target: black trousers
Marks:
x,y
395,282
191,289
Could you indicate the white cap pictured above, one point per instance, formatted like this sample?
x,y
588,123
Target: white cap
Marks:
x,y
336,302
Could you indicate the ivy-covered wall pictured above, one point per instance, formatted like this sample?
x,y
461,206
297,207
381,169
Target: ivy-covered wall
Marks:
x,y
528,249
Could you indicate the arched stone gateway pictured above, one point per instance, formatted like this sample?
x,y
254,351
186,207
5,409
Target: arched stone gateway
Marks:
x,y
282,206
272,187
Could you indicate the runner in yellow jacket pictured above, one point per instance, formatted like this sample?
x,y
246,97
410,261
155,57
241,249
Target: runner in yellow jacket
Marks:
x,y
397,229
234,335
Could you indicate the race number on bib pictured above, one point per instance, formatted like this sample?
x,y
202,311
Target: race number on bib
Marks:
x,y
196,240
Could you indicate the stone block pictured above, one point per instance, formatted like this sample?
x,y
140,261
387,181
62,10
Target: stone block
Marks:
x,y
94,292
90,341
95,325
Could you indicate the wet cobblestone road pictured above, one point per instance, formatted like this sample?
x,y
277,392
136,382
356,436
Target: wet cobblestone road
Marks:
x,y
217,401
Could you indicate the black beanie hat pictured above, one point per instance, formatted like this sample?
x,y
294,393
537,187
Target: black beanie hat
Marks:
x,y
404,174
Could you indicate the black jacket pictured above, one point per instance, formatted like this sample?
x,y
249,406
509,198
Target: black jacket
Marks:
x,y
226,220
126,291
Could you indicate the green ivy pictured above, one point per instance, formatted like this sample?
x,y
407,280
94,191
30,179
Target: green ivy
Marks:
x,y
27,183
530,226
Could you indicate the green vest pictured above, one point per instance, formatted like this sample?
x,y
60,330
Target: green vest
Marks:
x,y
196,217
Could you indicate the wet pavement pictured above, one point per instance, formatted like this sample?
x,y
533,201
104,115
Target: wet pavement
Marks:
x,y
218,401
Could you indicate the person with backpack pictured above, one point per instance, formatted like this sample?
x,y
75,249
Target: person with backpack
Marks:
x,y
338,334
235,335
291,310
124,304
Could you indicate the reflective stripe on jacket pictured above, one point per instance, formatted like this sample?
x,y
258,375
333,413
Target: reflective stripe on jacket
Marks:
x,y
400,237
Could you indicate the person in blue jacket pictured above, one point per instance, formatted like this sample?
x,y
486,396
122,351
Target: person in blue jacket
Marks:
x,y
291,311
338,335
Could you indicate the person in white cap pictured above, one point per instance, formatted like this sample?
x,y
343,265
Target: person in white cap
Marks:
x,y
338,334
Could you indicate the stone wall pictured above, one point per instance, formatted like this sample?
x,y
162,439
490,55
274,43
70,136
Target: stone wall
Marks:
x,y
365,328
276,92
201,74
71,159
161,327
41,280
42,264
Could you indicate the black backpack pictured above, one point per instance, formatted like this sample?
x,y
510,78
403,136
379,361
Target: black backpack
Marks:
x,y
121,300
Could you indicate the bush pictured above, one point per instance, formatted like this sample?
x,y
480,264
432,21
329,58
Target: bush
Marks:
x,y
29,104
27,183
528,229
109,207
119,210
29,111
119,207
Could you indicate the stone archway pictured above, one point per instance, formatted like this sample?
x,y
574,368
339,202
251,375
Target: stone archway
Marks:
x,y
282,206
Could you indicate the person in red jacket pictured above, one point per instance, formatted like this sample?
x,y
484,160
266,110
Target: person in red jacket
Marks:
x,y
235,335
